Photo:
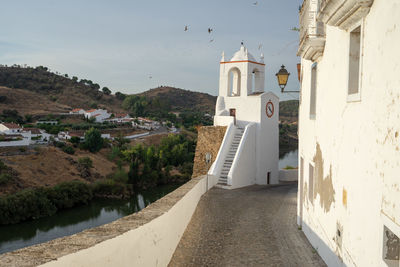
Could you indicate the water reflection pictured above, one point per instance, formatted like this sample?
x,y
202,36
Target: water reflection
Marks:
x,y
75,220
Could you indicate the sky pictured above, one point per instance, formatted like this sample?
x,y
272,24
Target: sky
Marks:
x,y
122,43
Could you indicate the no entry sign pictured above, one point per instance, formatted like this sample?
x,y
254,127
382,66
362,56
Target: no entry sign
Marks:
x,y
269,109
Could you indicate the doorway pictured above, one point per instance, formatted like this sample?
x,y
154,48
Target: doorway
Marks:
x,y
268,177
232,112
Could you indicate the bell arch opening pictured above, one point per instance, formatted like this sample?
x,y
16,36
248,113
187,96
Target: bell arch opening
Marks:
x,y
256,81
234,80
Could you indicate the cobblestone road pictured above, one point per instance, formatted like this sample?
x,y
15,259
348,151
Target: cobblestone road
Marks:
x,y
252,226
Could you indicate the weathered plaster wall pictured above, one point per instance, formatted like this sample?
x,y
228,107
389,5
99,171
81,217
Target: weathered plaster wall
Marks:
x,y
353,146
209,139
288,175
146,238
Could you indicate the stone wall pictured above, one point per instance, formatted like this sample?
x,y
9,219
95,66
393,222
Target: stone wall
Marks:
x,y
209,140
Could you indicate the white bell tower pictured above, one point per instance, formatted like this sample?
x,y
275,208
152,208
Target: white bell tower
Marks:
x,y
250,150
241,76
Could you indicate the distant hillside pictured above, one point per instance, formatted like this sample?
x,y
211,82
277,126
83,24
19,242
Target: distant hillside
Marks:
x,y
38,91
180,99
46,88
289,110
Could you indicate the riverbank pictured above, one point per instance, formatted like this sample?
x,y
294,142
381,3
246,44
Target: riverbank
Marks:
x,y
70,221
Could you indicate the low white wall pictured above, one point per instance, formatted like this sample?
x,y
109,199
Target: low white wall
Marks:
x,y
23,142
216,167
243,170
151,244
223,120
288,175
136,135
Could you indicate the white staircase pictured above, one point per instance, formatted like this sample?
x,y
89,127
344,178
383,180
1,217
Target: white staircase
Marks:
x,y
223,178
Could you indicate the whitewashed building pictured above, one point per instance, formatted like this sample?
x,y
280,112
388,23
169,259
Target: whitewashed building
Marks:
x,y
99,114
250,149
12,134
10,128
349,130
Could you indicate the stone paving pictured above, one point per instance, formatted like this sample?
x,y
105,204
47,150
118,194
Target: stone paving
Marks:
x,y
252,226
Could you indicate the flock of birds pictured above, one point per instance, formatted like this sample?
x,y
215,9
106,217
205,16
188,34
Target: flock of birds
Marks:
x,y
210,31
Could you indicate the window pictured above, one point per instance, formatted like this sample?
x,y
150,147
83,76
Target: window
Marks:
x,y
313,97
354,65
391,248
311,183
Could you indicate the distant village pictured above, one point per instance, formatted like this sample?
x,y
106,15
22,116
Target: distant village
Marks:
x,y
13,134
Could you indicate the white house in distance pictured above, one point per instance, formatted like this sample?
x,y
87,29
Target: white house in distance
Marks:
x,y
249,153
12,134
10,128
99,114
349,131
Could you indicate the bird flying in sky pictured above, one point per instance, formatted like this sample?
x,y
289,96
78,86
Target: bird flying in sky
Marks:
x,y
210,30
212,40
186,28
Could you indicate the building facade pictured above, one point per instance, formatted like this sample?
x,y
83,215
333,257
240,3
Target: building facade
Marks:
x,y
250,150
349,130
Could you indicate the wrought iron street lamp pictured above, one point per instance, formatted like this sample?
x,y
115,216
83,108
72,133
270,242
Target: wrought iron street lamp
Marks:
x,y
283,76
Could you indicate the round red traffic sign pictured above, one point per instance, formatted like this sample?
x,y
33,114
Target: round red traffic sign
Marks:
x,y
269,109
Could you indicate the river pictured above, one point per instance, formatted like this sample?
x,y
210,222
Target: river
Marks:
x,y
71,221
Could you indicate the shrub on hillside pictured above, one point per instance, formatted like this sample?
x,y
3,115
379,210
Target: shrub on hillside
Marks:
x,y
5,178
69,150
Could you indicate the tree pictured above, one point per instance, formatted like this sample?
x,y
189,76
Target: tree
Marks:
x,y
106,91
120,141
135,104
75,140
120,96
28,118
95,86
93,141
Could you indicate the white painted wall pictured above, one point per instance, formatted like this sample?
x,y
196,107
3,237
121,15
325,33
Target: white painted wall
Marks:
x,y
137,135
23,142
223,120
359,141
152,244
243,171
216,167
